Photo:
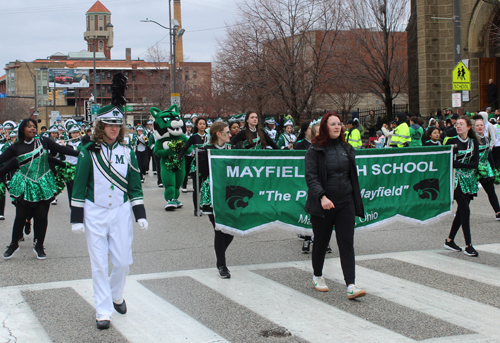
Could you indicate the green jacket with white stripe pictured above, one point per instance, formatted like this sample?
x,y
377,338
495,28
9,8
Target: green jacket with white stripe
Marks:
x,y
113,171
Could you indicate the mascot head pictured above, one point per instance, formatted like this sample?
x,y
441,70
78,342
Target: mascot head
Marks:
x,y
167,123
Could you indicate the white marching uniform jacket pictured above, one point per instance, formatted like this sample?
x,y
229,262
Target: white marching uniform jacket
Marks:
x,y
112,171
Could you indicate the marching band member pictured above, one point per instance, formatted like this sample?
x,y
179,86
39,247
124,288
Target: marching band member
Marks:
x,y
252,137
33,186
287,139
466,153
141,144
106,190
197,140
270,128
485,173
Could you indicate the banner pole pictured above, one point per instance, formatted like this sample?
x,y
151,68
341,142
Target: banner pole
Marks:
x,y
197,179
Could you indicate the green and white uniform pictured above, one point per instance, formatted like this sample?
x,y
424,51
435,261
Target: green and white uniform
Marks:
x,y
286,139
107,184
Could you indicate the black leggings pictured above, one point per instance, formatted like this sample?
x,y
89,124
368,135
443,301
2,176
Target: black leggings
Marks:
x,y
342,217
142,159
40,214
462,216
221,242
489,188
187,163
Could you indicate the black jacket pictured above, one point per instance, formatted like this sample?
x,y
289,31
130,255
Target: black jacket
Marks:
x,y
316,178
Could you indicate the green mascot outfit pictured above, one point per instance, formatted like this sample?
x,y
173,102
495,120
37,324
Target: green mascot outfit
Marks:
x,y
169,141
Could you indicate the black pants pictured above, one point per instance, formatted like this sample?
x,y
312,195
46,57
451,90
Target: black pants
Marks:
x,y
462,216
152,154
221,242
489,188
2,205
195,188
69,189
158,169
187,163
496,156
142,160
342,217
40,214
148,150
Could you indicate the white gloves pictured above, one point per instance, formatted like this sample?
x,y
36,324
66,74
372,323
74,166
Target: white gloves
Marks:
x,y
143,224
78,228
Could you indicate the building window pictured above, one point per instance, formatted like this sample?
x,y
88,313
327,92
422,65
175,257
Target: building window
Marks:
x,y
194,74
101,44
100,28
186,74
92,17
109,89
103,76
44,90
38,75
100,17
126,73
109,75
44,75
39,90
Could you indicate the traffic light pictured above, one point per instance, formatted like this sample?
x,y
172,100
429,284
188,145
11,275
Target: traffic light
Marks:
x,y
50,96
57,93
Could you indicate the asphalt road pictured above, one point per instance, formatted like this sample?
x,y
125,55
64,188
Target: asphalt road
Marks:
x,y
417,291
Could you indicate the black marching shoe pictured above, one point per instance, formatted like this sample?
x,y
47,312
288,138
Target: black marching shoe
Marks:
x,y
328,249
224,272
102,324
120,308
40,254
497,216
11,249
451,246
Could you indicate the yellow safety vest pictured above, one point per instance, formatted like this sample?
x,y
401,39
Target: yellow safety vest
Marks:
x,y
354,138
401,136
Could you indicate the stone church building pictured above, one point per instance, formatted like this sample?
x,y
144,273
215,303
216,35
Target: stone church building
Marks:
x,y
431,52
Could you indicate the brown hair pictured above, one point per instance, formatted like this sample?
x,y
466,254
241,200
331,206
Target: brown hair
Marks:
x,y
248,133
98,135
471,133
216,127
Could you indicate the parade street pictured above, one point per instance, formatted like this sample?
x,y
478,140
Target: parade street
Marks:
x,y
416,290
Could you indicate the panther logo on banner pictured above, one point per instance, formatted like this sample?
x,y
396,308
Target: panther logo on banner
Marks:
x,y
427,189
237,197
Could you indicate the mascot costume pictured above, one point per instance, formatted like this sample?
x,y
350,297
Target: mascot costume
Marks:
x,y
169,140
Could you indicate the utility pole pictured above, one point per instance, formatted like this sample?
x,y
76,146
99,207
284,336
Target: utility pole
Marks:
x,y
457,33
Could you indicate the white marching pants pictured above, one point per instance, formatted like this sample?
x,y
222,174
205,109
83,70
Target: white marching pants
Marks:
x,y
108,230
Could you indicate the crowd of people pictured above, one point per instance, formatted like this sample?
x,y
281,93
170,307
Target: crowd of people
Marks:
x,y
115,157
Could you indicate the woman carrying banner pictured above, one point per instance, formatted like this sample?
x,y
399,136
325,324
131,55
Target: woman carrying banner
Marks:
x,y
219,139
485,173
465,163
333,199
252,136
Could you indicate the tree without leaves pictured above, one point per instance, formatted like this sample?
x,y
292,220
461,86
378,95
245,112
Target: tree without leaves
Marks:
x,y
14,109
378,58
281,53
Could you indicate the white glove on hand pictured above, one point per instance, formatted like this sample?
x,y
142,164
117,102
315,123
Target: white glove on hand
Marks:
x,y
165,145
143,224
78,228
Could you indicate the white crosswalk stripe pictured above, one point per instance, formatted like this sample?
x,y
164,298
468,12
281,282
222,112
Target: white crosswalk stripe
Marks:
x,y
151,318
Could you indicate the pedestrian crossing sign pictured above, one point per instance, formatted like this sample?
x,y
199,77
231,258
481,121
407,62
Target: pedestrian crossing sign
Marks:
x,y
461,77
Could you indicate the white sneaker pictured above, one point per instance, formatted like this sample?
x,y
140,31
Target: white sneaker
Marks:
x,y
2,217
54,202
354,292
320,284
184,190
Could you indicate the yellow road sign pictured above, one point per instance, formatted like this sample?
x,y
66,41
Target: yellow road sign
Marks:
x,y
175,94
461,77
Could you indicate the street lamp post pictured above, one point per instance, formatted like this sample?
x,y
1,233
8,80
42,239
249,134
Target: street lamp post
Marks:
x,y
175,34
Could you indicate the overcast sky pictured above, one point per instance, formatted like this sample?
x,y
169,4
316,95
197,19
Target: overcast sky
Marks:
x,y
34,29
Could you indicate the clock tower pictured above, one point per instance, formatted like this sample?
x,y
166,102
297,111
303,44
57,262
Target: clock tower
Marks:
x,y
99,33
